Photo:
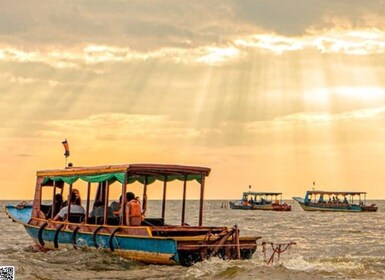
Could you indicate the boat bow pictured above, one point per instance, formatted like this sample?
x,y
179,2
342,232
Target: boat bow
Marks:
x,y
20,214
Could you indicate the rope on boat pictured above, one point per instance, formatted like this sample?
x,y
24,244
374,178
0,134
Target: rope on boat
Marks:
x,y
111,241
278,249
57,235
40,234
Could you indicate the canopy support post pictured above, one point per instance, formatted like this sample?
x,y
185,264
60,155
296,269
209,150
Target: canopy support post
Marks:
x,y
184,201
201,200
53,200
106,197
164,197
123,202
69,203
88,201
144,206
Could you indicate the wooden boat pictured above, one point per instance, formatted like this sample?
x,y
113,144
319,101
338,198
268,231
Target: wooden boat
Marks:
x,y
335,201
260,201
153,241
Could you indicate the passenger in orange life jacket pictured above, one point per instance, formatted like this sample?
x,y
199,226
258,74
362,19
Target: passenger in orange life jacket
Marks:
x,y
133,210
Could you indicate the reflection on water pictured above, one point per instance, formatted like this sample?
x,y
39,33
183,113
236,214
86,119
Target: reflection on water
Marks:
x,y
329,246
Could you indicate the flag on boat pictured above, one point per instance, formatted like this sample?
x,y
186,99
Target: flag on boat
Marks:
x,y
66,148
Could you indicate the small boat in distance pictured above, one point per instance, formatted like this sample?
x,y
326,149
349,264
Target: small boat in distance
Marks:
x,y
144,239
335,201
260,201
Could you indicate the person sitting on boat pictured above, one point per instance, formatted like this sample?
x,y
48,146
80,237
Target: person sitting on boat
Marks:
x,y
133,210
116,206
74,209
56,206
345,200
98,211
78,199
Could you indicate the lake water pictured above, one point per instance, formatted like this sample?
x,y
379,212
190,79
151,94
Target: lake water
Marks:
x,y
329,246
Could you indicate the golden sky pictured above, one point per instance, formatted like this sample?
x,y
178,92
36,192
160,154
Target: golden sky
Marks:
x,y
273,94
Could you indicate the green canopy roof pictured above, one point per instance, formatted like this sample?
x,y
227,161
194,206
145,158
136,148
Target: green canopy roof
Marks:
x,y
119,176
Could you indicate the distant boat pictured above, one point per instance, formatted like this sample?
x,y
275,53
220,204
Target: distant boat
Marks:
x,y
260,201
335,201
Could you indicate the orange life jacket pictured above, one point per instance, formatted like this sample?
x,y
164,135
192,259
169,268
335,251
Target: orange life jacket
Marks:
x,y
135,212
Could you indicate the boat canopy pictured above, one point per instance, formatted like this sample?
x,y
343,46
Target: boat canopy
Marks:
x,y
333,193
143,173
261,193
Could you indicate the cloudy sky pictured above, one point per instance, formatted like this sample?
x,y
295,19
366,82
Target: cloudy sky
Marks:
x,y
270,93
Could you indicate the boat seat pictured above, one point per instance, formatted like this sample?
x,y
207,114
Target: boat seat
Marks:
x,y
45,208
91,220
74,218
110,221
153,222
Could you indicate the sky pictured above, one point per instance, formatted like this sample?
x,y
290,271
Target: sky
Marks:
x,y
275,94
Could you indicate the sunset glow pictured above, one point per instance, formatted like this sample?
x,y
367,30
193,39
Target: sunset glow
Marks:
x,y
275,103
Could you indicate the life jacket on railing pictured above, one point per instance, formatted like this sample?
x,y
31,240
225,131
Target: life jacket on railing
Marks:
x,y
133,213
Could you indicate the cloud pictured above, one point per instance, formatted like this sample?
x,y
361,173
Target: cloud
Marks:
x,y
348,42
160,130
96,54
356,42
130,127
296,17
24,155
146,26
324,117
360,94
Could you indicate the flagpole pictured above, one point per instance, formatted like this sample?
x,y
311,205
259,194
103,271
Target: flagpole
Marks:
x,y
66,151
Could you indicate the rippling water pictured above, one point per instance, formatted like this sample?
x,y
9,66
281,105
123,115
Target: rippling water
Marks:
x,y
329,246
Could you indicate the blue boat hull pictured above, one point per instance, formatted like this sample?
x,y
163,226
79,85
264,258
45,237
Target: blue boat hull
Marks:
x,y
328,207
147,249
143,249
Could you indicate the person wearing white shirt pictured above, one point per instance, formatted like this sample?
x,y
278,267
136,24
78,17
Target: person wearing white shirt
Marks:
x,y
74,209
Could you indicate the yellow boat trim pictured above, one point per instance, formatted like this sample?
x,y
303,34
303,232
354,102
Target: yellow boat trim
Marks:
x,y
147,257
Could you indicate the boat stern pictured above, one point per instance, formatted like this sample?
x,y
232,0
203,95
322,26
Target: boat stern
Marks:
x,y
225,245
